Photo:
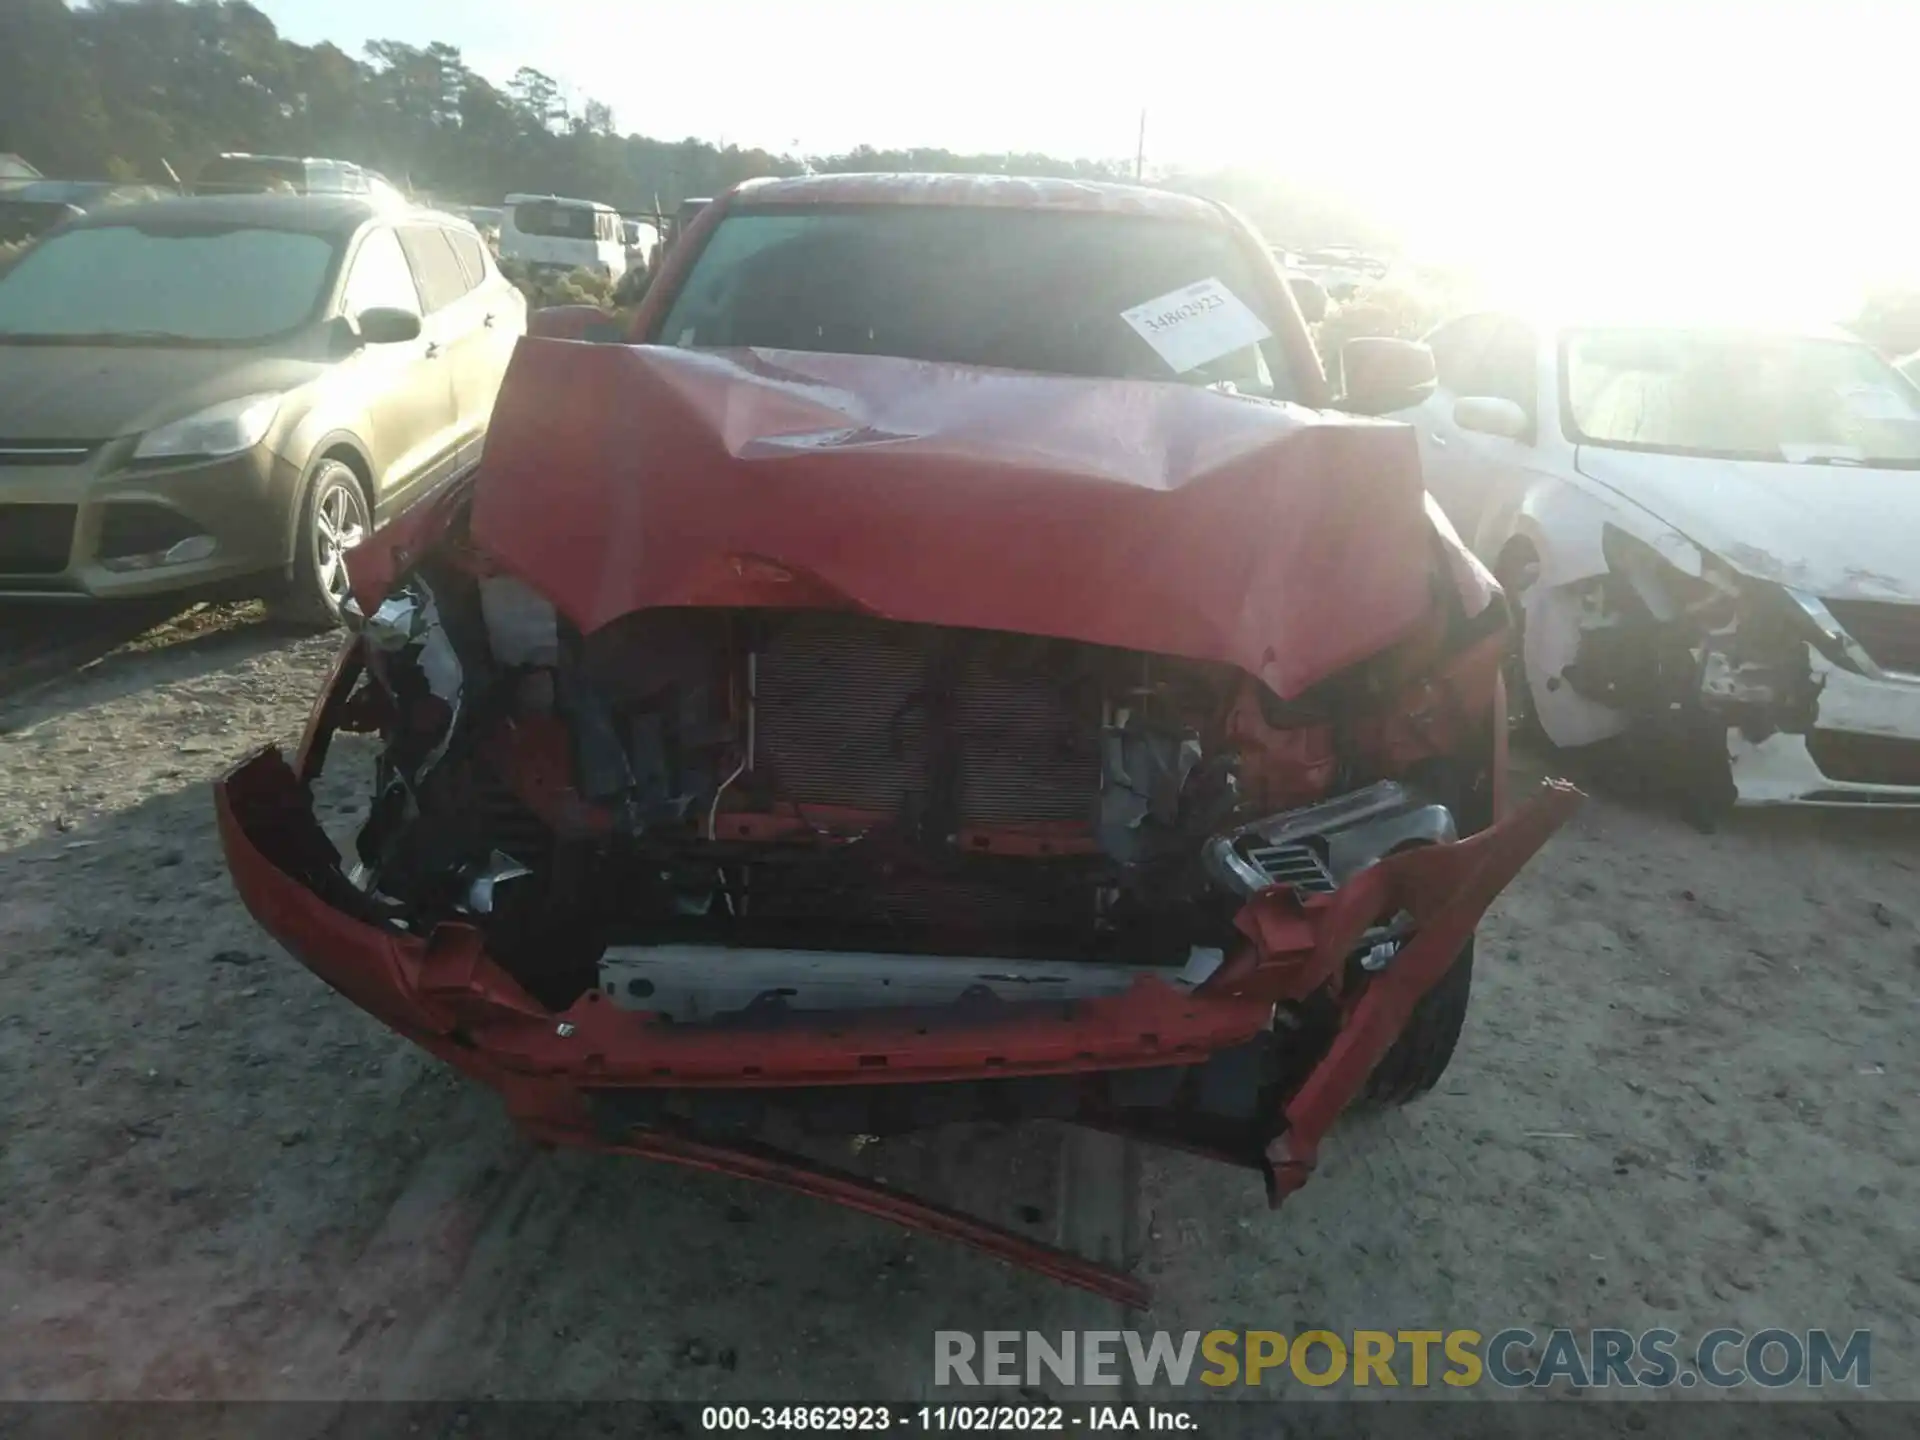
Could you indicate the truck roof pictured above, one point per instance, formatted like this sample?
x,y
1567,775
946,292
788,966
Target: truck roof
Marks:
x,y
557,200
1012,192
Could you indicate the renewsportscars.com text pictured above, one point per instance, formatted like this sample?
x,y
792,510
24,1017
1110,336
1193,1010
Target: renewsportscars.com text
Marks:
x,y
1513,1358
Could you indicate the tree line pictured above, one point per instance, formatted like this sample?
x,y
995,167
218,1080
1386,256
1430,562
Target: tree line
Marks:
x,y
129,89
143,89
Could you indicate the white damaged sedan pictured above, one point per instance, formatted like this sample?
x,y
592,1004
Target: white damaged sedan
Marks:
x,y
1712,537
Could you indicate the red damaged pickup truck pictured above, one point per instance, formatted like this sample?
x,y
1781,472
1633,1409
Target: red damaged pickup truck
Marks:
x,y
946,662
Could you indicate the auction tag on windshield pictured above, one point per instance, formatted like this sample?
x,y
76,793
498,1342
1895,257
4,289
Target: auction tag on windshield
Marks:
x,y
1197,324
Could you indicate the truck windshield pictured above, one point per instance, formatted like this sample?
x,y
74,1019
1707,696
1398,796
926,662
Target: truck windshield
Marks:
x,y
556,222
1045,291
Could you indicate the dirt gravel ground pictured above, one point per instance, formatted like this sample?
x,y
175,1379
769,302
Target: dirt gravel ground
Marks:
x,y
1686,1097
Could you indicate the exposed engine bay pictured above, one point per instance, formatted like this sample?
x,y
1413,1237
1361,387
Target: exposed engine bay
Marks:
x,y
681,804
706,877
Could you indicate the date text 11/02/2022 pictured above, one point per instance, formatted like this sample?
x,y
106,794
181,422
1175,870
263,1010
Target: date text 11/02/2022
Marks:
x,y
938,1419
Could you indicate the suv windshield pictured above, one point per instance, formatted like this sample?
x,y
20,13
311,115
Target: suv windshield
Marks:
x,y
1037,290
559,222
1749,397
129,284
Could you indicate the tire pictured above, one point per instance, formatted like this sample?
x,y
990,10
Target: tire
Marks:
x,y
1420,1056
333,518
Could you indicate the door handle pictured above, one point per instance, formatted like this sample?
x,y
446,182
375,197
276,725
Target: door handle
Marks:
x,y
1439,440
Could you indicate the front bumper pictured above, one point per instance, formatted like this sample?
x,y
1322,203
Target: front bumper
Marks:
x,y
443,991
89,517
1864,749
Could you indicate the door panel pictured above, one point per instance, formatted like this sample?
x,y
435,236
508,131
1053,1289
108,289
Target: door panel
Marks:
x,y
470,314
404,392
1472,475
500,316
1444,457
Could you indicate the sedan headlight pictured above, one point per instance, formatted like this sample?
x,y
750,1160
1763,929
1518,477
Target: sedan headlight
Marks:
x,y
223,429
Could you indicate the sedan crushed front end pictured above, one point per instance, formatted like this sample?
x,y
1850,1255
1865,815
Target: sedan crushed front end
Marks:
x,y
853,746
1761,692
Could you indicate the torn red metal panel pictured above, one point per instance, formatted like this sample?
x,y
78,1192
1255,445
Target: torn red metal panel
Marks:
x,y
446,993
446,982
1151,517
1448,894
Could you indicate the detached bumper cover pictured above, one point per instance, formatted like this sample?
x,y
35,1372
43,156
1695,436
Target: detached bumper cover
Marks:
x,y
445,993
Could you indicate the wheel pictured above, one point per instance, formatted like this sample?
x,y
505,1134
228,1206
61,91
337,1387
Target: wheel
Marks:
x,y
1420,1056
1519,569
333,519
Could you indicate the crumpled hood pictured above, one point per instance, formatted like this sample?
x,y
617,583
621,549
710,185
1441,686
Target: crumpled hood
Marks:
x,y
1145,516
1835,531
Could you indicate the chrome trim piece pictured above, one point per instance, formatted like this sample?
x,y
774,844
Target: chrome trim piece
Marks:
x,y
1345,835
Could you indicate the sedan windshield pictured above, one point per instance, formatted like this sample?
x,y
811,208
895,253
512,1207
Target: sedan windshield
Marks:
x,y
132,284
1742,396
1045,291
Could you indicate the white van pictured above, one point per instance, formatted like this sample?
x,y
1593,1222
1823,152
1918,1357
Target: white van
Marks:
x,y
547,232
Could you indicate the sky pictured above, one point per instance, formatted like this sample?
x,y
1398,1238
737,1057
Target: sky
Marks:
x,y
1761,146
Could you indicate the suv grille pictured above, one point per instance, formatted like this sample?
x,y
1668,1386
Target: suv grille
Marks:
x,y
46,452
35,539
1888,631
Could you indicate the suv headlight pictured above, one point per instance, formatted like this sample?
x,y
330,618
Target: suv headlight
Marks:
x,y
223,429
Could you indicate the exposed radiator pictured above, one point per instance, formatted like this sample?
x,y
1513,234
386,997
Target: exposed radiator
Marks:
x,y
843,710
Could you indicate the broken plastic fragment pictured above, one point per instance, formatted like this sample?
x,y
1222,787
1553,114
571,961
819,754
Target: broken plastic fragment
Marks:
x,y
1202,961
394,624
497,871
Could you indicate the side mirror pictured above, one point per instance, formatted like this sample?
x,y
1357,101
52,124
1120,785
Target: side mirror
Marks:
x,y
1310,295
1490,415
1384,375
384,325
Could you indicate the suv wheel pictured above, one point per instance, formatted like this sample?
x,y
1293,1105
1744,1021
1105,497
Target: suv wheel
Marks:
x,y
333,519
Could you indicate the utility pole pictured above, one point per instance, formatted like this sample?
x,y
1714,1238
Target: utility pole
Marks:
x,y
1140,150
